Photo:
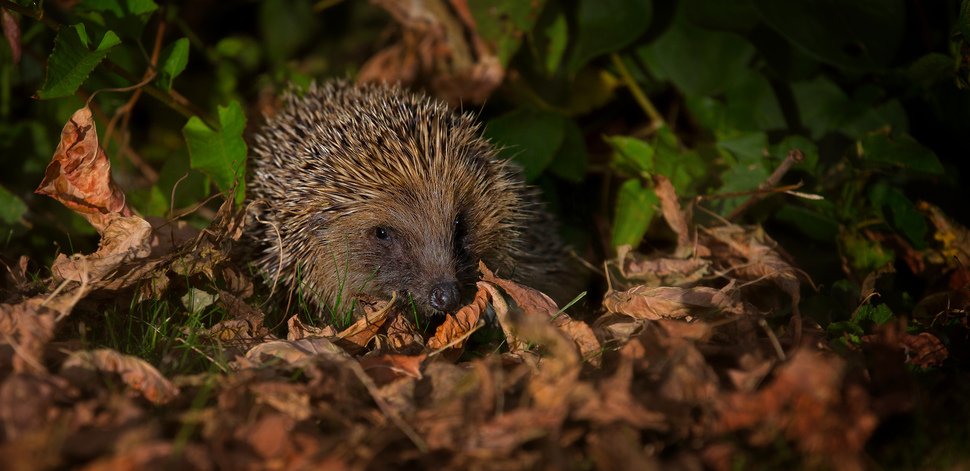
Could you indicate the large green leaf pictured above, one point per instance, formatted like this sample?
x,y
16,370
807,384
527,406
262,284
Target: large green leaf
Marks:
x,y
220,154
699,61
899,152
861,34
285,25
753,106
529,137
571,160
504,23
606,26
635,208
903,214
631,155
73,60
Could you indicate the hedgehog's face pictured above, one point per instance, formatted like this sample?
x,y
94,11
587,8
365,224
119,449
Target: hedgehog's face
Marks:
x,y
428,256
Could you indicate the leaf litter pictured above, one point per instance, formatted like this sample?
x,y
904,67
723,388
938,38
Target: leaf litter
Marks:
x,y
679,367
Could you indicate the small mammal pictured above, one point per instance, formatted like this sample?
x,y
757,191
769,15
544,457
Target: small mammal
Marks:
x,y
374,189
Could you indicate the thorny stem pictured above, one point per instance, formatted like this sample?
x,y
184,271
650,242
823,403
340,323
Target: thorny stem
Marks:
x,y
656,119
172,99
794,156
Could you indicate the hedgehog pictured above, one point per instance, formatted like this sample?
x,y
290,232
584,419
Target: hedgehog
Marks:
x,y
374,190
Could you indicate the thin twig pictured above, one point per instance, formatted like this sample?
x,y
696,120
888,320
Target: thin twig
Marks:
x,y
794,156
656,120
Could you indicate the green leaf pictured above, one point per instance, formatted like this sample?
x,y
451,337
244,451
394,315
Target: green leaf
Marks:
x,y
606,26
903,214
749,147
635,208
753,106
127,17
220,154
631,155
862,34
173,61
504,23
900,152
698,61
73,60
12,208
734,15
880,314
530,137
822,105
865,255
571,160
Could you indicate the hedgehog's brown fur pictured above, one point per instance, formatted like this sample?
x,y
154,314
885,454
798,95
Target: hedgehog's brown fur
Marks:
x,y
342,162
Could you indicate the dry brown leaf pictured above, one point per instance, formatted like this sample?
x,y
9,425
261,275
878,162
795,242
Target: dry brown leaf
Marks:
x,y
663,271
25,330
27,403
453,332
673,214
123,239
134,371
669,302
924,349
389,367
79,176
293,352
400,335
296,330
356,337
440,44
811,403
954,236
288,398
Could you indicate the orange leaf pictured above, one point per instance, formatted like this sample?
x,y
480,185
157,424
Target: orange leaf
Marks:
x,y
79,176
453,331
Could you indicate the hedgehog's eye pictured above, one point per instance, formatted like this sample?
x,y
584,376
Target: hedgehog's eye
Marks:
x,y
382,233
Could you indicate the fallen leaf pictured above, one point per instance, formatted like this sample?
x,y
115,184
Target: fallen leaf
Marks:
x,y
669,302
453,332
356,337
123,240
293,352
673,214
389,367
296,330
79,175
135,372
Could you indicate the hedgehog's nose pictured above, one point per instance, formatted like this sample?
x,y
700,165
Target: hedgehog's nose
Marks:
x,y
445,296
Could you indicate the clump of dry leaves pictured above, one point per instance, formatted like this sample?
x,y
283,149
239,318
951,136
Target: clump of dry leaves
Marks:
x,y
681,366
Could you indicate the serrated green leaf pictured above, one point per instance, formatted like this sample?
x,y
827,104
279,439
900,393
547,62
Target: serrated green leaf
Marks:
x,y
126,17
173,61
504,23
220,154
635,208
606,26
880,314
73,60
529,137
12,208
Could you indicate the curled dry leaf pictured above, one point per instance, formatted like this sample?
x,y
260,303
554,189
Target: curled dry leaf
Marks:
x,y
79,175
134,371
668,302
123,239
673,214
453,332
356,337
296,330
535,303
954,236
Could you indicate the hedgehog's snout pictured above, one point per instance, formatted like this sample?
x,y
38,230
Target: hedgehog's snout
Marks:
x,y
445,296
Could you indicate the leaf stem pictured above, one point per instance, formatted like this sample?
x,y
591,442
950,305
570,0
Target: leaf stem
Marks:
x,y
656,119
